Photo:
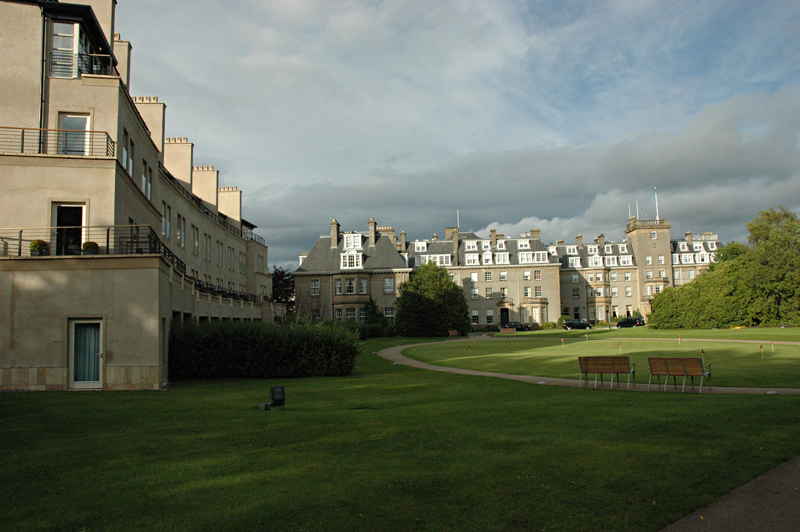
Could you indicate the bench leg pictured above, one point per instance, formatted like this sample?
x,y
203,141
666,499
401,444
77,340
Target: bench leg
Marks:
x,y
683,388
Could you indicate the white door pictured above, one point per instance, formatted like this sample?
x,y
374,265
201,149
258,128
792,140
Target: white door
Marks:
x,y
86,354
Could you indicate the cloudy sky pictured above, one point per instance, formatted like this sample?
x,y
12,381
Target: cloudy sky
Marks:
x,y
517,114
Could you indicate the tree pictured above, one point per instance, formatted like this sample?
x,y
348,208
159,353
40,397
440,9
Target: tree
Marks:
x,y
283,287
431,304
758,284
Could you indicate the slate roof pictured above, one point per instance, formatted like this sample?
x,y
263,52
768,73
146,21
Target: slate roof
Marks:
x,y
324,258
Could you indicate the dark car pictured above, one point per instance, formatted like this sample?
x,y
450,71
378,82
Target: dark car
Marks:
x,y
514,325
630,322
577,324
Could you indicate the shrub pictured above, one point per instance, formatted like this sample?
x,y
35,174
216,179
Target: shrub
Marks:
x,y
548,325
228,349
561,320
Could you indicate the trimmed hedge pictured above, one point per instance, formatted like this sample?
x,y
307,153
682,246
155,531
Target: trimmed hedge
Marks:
x,y
229,349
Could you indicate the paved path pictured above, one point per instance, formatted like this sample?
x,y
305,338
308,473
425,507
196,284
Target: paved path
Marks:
x,y
770,502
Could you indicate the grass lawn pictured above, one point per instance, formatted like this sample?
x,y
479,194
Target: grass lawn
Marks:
x,y
389,448
543,354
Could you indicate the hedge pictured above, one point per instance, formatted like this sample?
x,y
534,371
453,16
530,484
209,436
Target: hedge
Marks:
x,y
228,349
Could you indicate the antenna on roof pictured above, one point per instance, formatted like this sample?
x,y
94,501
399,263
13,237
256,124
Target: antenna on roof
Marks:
x,y
656,195
458,221
637,209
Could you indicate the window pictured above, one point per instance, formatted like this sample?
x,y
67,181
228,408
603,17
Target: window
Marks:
x,y
501,258
565,311
337,287
242,263
662,273
574,277
611,260
676,274
503,291
503,276
537,275
166,216
687,258
526,291
576,294
220,253
363,315
659,288
489,316
609,249
487,257
684,246
661,259
473,277
338,314
653,235
487,276
574,262
697,246
523,244
486,244
613,291
648,274
691,274
553,250
591,250
501,244
440,260
472,259
625,260
540,256
489,294
596,261
230,258
591,292
352,241
473,293
195,240
180,231
701,258
314,287
613,276
599,291
591,277
350,313
362,285
712,246
526,275
472,245
648,260
351,259
476,317
537,291
526,257
388,313
572,250
628,291
627,276
388,285
676,259
614,311
649,290
349,286
420,247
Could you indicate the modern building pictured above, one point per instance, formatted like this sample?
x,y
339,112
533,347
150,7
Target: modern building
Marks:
x,y
504,278
108,230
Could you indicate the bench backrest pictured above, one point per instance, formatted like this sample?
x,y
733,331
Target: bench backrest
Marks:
x,y
604,364
621,364
658,365
508,330
587,364
694,367
675,366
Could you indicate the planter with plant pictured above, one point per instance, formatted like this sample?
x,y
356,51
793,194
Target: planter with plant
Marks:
x,y
90,248
39,248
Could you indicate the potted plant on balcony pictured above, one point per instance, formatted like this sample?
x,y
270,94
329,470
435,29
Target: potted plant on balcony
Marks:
x,y
39,248
90,248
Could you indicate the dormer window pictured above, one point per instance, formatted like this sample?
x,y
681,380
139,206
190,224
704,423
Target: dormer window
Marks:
x,y
609,249
487,244
501,244
420,247
352,241
487,257
351,259
553,250
611,260
591,250
684,246
623,248
698,246
523,244
472,245
572,250
540,256
595,260
574,262
712,246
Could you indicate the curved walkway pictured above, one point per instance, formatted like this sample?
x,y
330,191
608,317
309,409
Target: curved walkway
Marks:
x,y
395,354
769,502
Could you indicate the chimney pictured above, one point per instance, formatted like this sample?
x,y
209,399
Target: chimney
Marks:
x,y
536,234
372,226
493,236
601,239
688,236
560,241
122,51
579,240
334,233
402,241
435,237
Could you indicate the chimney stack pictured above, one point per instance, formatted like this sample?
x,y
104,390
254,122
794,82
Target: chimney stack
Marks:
x,y
372,229
579,240
601,239
402,241
536,234
688,236
334,233
493,236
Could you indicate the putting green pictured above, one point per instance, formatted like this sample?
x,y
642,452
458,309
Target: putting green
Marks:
x,y
732,363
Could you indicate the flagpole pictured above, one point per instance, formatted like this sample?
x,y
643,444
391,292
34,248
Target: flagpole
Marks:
x,y
656,195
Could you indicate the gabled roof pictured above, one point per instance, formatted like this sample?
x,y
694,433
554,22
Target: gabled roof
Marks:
x,y
324,258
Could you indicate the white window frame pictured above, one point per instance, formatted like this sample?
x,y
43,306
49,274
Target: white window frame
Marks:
x,y
523,244
352,241
472,259
501,258
351,260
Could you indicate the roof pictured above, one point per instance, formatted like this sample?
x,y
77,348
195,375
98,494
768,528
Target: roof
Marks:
x,y
324,258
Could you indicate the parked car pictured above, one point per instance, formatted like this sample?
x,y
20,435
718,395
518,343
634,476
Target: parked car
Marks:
x,y
514,325
577,324
630,322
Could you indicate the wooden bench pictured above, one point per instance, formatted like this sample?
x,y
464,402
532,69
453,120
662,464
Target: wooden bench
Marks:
x,y
678,367
455,334
613,365
508,331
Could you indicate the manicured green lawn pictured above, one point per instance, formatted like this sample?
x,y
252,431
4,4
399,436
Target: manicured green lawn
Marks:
x,y
545,355
389,448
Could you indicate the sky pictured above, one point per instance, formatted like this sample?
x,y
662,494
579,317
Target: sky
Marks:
x,y
557,115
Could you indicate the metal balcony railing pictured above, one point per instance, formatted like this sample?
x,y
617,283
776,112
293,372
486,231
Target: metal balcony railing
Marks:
x,y
103,240
15,140
65,64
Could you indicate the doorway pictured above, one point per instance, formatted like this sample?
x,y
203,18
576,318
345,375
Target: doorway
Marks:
x,y
86,354
69,229
504,315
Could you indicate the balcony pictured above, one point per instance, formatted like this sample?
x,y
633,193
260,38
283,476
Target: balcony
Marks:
x,y
70,65
76,143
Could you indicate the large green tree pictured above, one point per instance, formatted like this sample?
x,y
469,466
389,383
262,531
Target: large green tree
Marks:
x,y
431,304
757,284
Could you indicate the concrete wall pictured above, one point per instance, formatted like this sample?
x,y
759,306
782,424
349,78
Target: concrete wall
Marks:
x,y
20,64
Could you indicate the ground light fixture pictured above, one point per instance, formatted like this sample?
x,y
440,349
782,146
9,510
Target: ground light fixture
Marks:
x,y
277,397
